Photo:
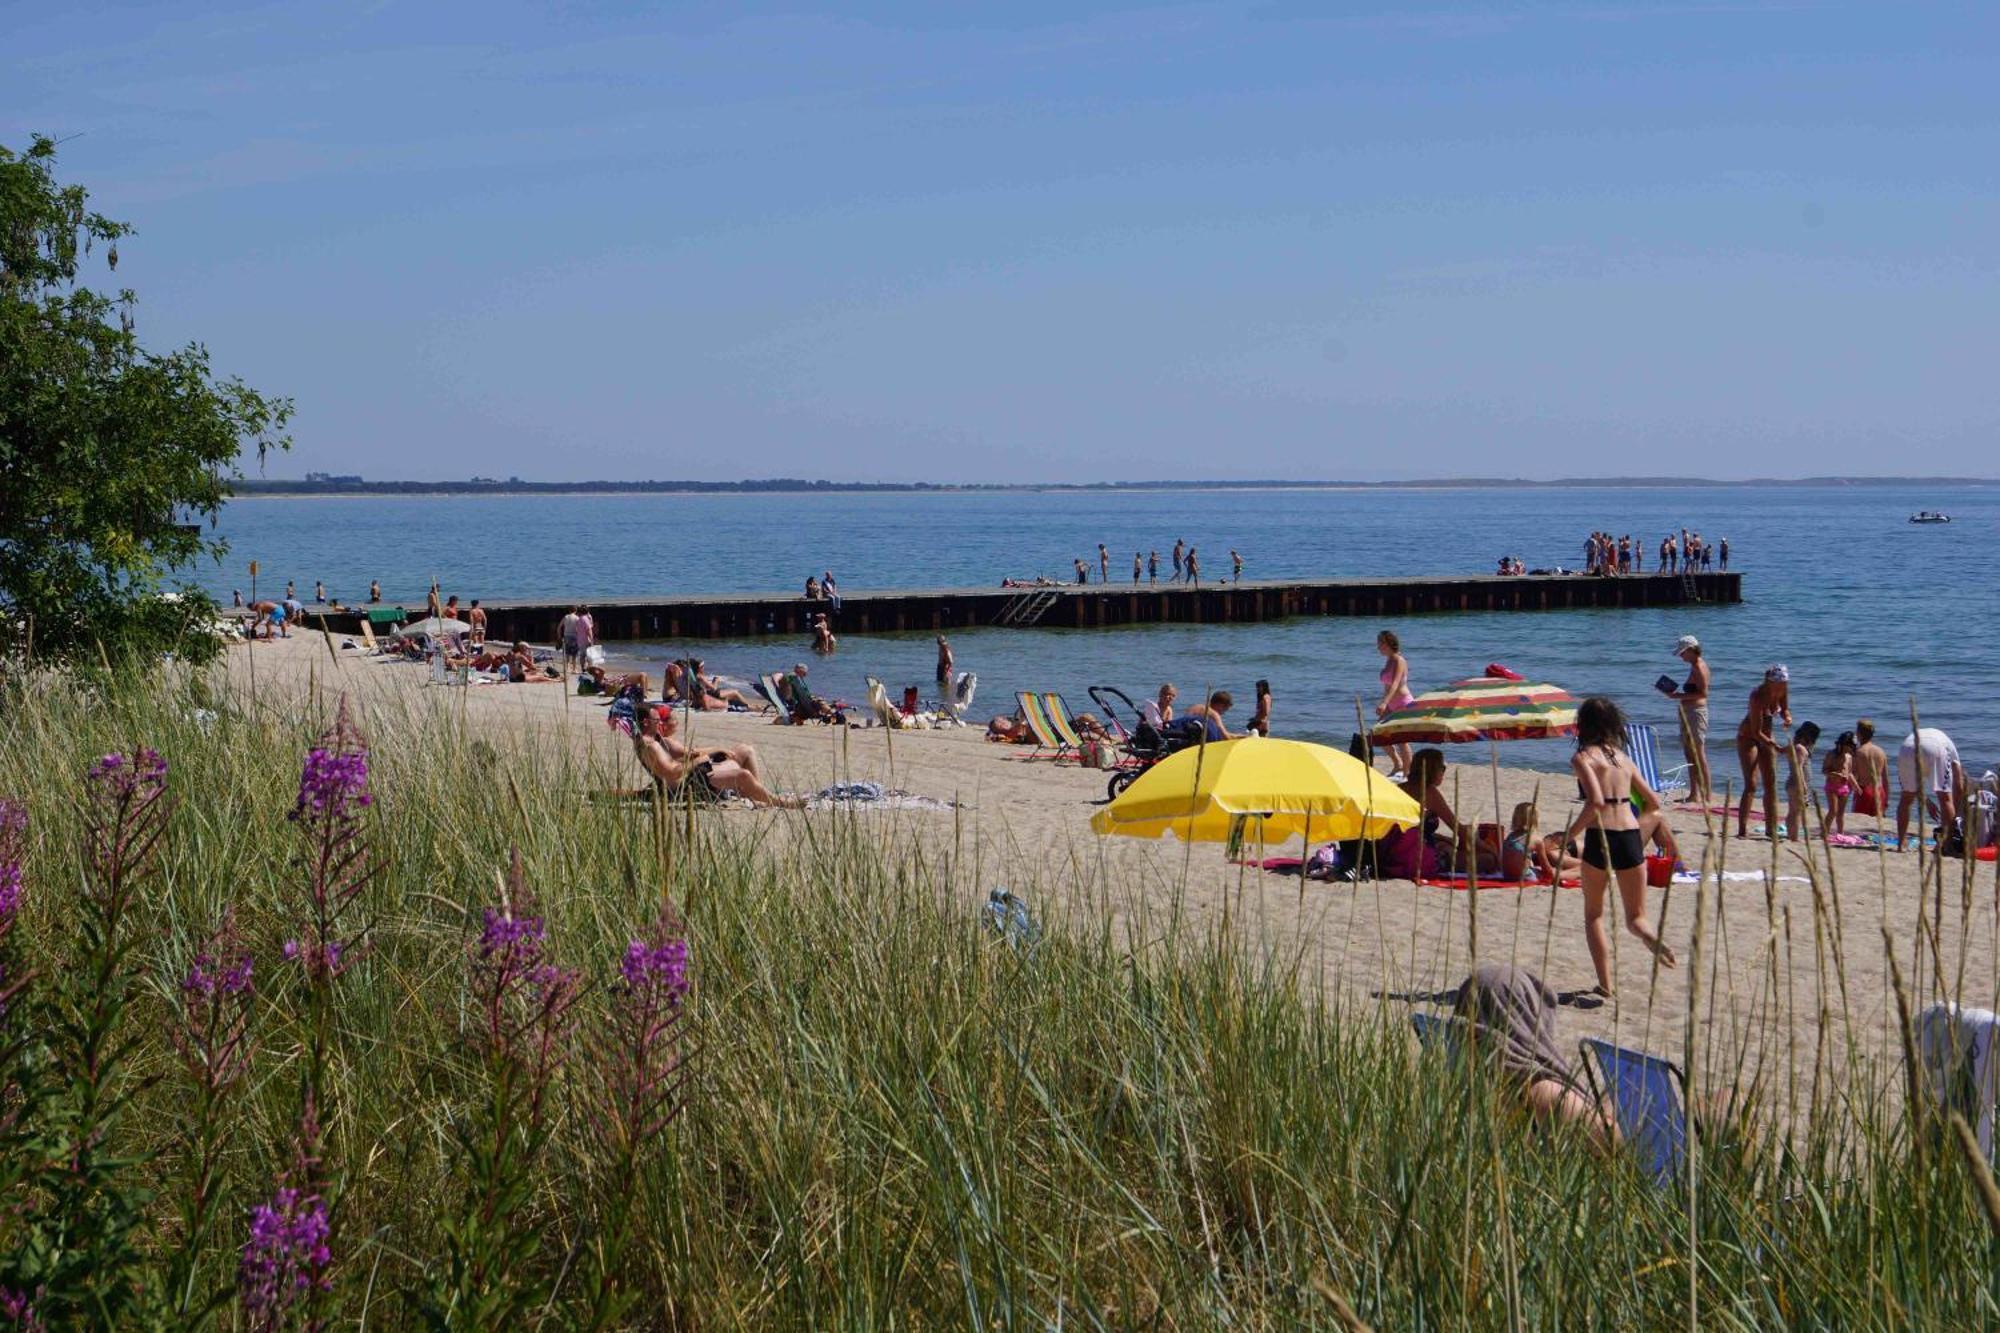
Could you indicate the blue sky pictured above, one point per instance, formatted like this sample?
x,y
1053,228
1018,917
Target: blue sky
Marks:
x,y
948,242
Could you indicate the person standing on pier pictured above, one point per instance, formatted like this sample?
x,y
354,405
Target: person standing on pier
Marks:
x,y
1724,545
1137,567
1179,547
1193,568
1103,564
1235,565
1153,567
1082,573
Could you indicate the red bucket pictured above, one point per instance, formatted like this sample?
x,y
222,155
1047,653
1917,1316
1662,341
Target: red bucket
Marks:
x,y
1660,871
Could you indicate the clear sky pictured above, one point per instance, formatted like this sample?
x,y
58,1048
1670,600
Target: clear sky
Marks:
x,y
1026,241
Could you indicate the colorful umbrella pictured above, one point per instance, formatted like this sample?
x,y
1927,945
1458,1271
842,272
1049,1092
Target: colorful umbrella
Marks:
x,y
1484,708
1267,789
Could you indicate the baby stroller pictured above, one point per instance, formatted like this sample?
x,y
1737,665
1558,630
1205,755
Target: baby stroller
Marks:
x,y
1140,745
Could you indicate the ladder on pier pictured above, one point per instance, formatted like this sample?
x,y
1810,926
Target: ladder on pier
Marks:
x,y
1690,590
1027,608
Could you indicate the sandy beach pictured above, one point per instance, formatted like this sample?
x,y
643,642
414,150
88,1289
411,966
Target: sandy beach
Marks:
x,y
1790,977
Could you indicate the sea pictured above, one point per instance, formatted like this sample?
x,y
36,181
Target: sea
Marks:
x,y
1873,615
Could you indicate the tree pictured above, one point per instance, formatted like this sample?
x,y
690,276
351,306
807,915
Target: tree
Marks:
x,y
112,458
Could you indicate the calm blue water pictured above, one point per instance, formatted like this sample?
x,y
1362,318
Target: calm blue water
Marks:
x,y
1864,607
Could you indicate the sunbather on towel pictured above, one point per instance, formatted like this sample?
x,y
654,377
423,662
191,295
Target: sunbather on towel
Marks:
x,y
521,668
606,683
722,768
712,695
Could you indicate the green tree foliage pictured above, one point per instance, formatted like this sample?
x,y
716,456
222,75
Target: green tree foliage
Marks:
x,y
111,457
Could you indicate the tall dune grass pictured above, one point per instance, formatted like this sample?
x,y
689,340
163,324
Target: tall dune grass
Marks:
x,y
892,1117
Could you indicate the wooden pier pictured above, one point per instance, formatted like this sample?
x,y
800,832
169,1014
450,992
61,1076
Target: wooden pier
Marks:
x,y
1090,606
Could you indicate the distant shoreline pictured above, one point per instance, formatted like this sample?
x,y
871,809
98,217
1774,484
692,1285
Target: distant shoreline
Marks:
x,y
290,489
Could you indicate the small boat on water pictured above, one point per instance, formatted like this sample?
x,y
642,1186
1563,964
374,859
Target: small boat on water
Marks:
x,y
1929,516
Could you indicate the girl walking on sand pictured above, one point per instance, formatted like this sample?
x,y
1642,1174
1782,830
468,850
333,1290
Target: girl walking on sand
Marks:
x,y
1613,846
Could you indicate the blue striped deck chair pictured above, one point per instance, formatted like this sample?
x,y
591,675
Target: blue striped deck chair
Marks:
x,y
1644,1093
1644,748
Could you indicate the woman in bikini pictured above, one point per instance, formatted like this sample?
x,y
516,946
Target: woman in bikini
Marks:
x,y
1612,840
1757,748
1395,693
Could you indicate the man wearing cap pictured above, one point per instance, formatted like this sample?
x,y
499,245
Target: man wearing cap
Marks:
x,y
1692,696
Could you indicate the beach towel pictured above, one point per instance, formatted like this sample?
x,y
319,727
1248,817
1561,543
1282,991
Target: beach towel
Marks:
x,y
873,796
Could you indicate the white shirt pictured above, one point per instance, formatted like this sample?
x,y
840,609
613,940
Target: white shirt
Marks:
x,y
1150,715
1927,761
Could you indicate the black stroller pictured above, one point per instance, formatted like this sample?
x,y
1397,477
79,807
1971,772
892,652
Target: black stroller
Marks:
x,y
1140,745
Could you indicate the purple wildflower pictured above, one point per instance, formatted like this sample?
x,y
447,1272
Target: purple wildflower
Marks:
x,y
524,999
17,1309
660,966
13,833
643,1063
333,793
286,1258
213,1035
120,777
511,937
333,786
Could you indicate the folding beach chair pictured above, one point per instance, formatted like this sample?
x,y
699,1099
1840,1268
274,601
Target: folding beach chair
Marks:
x,y
878,704
1645,1094
1059,721
767,686
1957,1047
1036,715
1644,748
1437,1032
368,638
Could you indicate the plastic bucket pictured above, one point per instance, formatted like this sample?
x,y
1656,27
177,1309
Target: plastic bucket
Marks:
x,y
1659,871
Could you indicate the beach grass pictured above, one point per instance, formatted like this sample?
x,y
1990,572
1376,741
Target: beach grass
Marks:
x,y
874,1111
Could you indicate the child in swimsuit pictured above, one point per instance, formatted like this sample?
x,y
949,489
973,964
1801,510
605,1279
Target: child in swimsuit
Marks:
x,y
1798,763
1839,773
1514,854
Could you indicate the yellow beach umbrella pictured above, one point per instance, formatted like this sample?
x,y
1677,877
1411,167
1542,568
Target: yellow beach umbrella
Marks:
x,y
1276,790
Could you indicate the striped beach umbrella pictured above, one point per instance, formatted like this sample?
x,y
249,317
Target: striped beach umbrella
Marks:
x,y
1483,708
